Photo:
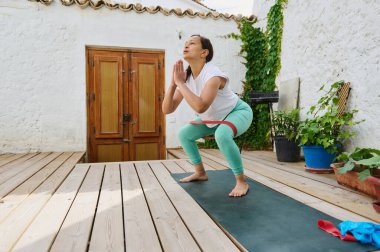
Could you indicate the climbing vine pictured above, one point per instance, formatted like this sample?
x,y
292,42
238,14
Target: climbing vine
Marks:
x,y
274,37
253,50
262,53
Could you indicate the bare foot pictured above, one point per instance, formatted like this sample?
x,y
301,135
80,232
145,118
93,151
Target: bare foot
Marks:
x,y
240,189
195,177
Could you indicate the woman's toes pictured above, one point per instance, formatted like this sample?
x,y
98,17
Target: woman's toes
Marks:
x,y
239,190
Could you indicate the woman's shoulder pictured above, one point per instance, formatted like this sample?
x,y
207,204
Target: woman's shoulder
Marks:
x,y
213,68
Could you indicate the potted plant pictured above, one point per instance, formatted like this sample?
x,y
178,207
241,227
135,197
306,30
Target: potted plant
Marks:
x,y
285,125
322,134
359,169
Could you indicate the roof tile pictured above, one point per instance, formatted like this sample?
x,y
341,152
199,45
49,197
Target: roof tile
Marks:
x,y
96,4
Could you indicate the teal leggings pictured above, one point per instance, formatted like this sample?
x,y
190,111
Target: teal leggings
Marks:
x,y
241,116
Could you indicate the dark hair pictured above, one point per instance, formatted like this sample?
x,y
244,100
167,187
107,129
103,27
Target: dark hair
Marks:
x,y
206,44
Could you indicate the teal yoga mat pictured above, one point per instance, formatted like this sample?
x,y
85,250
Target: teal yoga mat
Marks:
x,y
265,220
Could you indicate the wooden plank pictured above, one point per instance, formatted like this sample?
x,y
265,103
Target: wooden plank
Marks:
x,y
170,156
337,212
293,168
45,226
271,156
178,153
135,162
13,164
12,200
188,167
262,153
11,158
172,231
140,233
18,221
350,201
40,158
107,234
5,155
76,228
173,167
207,163
207,234
14,181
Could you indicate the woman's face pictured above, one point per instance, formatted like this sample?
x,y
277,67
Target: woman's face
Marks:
x,y
193,49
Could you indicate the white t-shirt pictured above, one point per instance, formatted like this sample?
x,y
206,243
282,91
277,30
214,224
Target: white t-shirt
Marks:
x,y
225,100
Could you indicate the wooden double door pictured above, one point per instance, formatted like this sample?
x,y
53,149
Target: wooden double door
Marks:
x,y
124,94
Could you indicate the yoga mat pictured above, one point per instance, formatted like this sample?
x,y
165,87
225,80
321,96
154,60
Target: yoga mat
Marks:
x,y
265,220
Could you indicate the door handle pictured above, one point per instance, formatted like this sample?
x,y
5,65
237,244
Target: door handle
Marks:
x,y
126,140
127,117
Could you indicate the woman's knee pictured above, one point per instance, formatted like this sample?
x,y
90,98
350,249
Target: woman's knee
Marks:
x,y
183,133
224,134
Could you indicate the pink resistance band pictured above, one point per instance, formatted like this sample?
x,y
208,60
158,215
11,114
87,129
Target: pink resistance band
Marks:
x,y
330,228
217,122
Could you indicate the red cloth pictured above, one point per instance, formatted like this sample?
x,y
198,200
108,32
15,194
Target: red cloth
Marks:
x,y
330,228
217,122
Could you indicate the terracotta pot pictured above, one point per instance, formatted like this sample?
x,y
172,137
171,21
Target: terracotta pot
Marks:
x,y
370,186
376,184
376,206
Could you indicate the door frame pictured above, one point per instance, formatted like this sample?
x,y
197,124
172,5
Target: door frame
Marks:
x,y
89,104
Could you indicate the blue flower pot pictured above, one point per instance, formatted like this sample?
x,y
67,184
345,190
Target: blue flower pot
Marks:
x,y
317,157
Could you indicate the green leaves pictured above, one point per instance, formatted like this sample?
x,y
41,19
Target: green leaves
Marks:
x,y
364,174
274,37
365,158
328,102
286,123
374,161
262,53
349,166
325,126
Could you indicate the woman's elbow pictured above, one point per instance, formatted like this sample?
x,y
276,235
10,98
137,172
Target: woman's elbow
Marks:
x,y
166,111
201,109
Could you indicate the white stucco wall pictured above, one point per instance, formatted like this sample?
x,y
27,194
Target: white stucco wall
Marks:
x,y
42,66
327,41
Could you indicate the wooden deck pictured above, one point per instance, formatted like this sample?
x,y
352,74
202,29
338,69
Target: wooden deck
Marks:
x,y
51,203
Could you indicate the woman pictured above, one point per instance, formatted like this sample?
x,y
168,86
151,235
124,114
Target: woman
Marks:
x,y
206,89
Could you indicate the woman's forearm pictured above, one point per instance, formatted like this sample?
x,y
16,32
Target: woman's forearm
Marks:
x,y
167,103
195,102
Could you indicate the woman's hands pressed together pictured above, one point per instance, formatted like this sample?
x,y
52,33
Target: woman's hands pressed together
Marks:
x,y
179,74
